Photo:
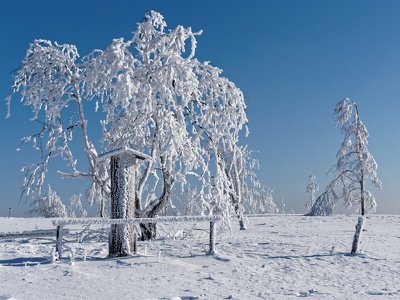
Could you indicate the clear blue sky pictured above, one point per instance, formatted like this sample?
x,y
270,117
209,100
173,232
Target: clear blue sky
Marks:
x,y
294,60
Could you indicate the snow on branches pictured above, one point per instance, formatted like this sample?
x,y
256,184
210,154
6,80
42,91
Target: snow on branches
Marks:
x,y
311,188
155,99
46,78
49,206
354,166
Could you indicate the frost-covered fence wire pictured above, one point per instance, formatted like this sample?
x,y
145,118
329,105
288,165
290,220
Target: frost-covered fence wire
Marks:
x,y
30,234
175,231
90,234
61,223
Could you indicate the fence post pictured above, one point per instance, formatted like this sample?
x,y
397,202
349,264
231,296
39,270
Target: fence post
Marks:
x,y
59,240
212,238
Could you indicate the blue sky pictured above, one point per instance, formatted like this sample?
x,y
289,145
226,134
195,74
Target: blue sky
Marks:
x,y
294,60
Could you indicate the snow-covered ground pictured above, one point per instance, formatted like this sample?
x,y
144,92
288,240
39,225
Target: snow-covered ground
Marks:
x,y
278,257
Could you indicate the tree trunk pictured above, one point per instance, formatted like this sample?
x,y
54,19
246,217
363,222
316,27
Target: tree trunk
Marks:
x,y
362,194
242,224
122,236
357,235
212,238
149,230
239,212
240,216
102,210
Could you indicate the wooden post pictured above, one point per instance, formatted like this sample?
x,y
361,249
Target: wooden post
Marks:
x,y
212,238
122,236
122,240
59,241
357,235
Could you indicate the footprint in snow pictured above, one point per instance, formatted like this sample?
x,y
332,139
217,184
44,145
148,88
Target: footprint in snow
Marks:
x,y
306,294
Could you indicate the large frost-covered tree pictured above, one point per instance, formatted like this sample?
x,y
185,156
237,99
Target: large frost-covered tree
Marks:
x,y
156,98
354,166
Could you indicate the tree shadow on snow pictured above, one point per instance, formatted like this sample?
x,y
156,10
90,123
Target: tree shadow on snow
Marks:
x,y
25,261
318,256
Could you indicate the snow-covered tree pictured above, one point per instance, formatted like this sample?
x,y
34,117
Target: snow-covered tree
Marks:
x,y
311,188
261,201
49,206
283,205
75,208
156,98
191,201
354,166
241,180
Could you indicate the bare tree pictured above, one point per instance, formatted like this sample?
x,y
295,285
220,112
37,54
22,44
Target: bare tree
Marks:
x,y
354,166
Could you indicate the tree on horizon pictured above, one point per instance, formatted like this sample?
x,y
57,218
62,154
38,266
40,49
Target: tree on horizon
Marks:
x,y
355,164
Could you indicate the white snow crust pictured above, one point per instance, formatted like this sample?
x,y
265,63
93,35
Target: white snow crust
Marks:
x,y
278,257
120,150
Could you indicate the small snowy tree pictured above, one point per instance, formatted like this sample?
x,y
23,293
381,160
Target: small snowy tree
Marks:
x,y
283,205
156,98
191,201
262,202
354,166
312,187
49,206
75,208
241,180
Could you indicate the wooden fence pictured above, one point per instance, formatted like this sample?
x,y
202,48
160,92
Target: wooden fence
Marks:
x,y
61,223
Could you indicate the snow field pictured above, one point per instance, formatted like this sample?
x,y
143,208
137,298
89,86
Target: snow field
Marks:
x,y
278,257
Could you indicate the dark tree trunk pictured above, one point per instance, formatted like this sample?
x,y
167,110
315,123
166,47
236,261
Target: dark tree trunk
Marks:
x,y
149,230
234,199
102,210
239,213
362,194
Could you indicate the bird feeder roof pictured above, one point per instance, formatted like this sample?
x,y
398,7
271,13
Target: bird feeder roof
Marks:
x,y
121,150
